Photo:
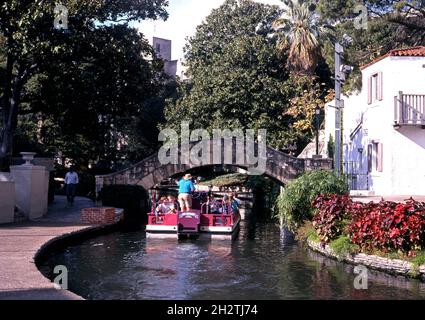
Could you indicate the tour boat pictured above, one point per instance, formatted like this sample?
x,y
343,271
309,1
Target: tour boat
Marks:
x,y
208,219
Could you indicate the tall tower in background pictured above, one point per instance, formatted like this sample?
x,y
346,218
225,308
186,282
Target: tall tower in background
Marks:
x,y
162,48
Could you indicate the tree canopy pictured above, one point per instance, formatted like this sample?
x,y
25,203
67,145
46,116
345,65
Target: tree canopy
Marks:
x,y
96,91
303,34
240,80
390,25
80,84
85,107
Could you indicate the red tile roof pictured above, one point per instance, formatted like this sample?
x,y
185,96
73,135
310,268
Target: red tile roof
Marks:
x,y
406,52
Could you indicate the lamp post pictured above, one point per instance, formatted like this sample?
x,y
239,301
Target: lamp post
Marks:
x,y
339,79
317,118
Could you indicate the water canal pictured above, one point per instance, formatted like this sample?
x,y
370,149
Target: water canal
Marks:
x,y
261,264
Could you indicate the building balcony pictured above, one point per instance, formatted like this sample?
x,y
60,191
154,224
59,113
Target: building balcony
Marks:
x,y
409,110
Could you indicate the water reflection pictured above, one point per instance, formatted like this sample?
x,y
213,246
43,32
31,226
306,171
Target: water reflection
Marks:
x,y
263,263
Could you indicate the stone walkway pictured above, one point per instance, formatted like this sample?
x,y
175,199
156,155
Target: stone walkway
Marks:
x,y
19,276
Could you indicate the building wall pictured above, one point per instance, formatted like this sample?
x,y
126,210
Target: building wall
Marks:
x,y
408,161
170,68
162,48
403,150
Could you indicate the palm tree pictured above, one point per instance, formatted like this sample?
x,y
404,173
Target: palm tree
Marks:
x,y
300,31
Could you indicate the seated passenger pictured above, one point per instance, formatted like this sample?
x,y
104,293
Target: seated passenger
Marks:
x,y
215,207
234,203
226,205
235,197
171,205
162,207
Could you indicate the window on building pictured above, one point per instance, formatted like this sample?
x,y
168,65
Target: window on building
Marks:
x,y
158,48
375,88
378,156
369,158
375,156
360,159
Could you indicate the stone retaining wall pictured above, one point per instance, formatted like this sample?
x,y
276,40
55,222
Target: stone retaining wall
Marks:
x,y
392,266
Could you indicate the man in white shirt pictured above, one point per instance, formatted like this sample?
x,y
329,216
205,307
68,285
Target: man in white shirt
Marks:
x,y
71,181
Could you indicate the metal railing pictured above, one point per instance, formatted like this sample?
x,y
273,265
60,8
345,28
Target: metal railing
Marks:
x,y
356,180
216,207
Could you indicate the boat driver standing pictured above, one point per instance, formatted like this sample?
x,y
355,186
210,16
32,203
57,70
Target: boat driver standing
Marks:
x,y
186,187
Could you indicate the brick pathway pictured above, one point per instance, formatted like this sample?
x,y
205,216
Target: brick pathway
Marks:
x,y
19,276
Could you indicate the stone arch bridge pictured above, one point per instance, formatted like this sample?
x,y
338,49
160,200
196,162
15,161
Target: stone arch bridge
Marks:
x,y
151,171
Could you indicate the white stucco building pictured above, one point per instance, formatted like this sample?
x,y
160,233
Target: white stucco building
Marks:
x,y
384,126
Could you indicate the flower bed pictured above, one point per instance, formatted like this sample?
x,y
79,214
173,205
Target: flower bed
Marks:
x,y
386,226
389,226
331,213
386,236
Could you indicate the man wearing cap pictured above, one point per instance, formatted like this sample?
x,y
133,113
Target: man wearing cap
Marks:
x,y
186,187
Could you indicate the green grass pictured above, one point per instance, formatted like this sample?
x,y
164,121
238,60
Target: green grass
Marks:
x,y
312,235
419,259
233,179
307,233
343,246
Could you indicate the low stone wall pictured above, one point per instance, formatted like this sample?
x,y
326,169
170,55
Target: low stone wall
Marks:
x,y
392,266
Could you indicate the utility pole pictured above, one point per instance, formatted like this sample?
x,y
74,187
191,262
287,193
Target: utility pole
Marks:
x,y
340,74
317,116
339,50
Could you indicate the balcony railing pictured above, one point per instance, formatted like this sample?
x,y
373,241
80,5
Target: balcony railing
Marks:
x,y
409,110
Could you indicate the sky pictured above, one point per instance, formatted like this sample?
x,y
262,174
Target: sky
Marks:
x,y
184,17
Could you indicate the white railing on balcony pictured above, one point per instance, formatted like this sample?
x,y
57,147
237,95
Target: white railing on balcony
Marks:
x,y
409,109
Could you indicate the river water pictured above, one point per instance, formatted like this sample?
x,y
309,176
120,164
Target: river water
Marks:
x,y
262,263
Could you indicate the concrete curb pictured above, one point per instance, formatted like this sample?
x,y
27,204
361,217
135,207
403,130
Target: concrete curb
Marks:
x,y
67,239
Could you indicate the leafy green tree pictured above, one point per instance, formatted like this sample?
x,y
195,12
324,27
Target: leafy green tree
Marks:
x,y
84,107
337,11
409,14
390,25
406,13
226,24
239,79
32,44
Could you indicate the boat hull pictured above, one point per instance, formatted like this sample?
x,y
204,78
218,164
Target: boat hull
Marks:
x,y
206,232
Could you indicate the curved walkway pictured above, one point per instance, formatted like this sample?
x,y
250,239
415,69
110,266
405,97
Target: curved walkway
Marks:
x,y
19,243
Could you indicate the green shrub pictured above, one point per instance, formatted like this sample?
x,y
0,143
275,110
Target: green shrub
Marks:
x,y
133,199
294,204
343,246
